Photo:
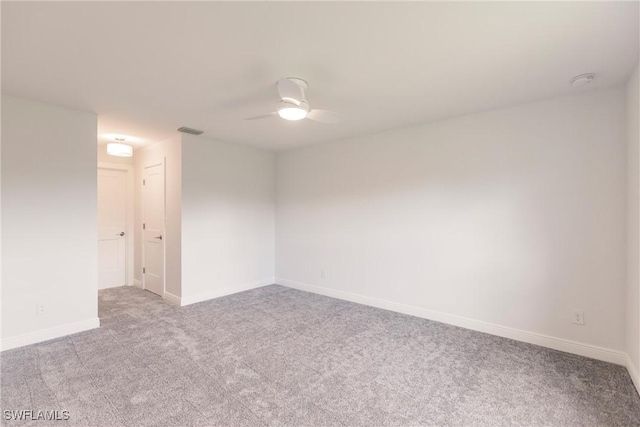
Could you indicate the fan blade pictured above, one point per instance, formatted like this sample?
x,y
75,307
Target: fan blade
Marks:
x,y
289,91
324,116
262,116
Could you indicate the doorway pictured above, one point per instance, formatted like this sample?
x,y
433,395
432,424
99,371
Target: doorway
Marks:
x,y
115,218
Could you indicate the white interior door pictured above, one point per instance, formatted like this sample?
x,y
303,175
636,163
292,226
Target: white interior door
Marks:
x,y
112,217
153,229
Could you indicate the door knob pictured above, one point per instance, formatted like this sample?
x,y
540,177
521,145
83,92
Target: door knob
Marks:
x,y
120,234
158,237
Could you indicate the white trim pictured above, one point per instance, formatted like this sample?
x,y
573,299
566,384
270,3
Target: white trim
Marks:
x,y
116,285
137,283
130,219
116,166
587,350
173,299
224,291
49,334
633,373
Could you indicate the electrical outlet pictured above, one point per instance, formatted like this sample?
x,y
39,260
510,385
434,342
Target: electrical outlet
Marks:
x,y
323,275
578,317
39,308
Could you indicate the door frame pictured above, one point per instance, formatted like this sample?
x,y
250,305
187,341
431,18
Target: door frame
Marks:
x,y
162,163
129,203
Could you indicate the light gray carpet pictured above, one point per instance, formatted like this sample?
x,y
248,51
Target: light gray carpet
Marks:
x,y
276,356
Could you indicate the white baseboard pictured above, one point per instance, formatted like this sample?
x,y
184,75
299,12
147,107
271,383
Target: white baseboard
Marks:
x,y
633,373
568,346
137,283
49,334
187,300
173,299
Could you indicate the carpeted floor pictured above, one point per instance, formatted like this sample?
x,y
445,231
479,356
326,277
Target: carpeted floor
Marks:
x,y
276,356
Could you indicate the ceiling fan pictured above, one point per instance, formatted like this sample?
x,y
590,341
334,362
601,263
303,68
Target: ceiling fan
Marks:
x,y
294,105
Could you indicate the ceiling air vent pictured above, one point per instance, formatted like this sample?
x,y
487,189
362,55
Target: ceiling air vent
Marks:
x,y
185,129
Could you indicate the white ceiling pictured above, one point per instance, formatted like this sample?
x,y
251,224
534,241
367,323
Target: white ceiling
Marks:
x,y
147,68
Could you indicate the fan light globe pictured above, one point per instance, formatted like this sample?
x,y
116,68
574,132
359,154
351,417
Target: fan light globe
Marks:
x,y
290,111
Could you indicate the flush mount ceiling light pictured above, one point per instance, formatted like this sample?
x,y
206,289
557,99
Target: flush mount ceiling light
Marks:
x,y
119,149
291,111
583,79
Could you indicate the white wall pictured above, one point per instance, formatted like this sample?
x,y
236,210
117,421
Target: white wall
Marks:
x,y
228,218
513,217
49,240
633,228
169,152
